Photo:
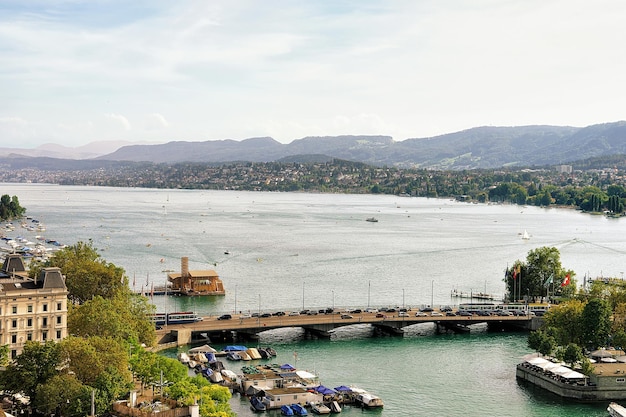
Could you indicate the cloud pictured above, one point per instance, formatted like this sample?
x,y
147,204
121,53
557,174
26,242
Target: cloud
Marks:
x,y
156,121
118,120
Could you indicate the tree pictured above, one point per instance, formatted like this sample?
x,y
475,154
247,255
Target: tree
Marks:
x,y
86,273
37,363
125,317
564,320
540,274
63,395
572,354
596,323
10,208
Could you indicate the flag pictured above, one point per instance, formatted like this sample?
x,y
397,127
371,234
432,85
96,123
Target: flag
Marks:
x,y
514,274
565,281
152,291
548,281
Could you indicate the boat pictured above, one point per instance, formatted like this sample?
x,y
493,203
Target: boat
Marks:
x,y
525,235
183,357
233,356
372,220
299,410
616,410
367,400
319,408
256,404
334,407
286,410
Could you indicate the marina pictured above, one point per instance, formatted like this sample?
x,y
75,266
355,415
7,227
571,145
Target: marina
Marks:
x,y
294,251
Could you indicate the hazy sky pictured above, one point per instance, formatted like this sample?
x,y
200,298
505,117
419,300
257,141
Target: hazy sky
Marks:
x,y
73,72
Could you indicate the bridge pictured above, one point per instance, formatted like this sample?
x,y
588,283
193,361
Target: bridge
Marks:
x,y
321,326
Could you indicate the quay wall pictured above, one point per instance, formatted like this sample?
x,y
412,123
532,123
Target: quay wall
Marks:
x,y
576,392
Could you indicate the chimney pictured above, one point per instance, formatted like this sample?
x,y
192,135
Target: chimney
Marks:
x,y
184,267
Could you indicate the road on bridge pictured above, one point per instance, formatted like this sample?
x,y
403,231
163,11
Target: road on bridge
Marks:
x,y
237,323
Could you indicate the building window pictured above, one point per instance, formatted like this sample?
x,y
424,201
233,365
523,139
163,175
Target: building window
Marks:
x,y
29,322
59,306
59,320
45,322
14,323
13,354
58,334
29,336
30,308
45,307
14,338
14,309
44,336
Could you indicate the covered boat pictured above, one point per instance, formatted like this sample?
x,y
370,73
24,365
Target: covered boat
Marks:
x,y
319,408
299,410
286,410
256,404
616,410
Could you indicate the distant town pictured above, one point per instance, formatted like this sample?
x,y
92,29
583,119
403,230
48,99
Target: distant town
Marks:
x,y
591,189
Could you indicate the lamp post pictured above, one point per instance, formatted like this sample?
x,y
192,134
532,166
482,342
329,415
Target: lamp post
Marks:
x,y
369,290
258,317
333,291
432,293
235,311
303,295
402,297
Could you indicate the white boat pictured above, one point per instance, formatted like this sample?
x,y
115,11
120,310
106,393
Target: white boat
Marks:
x,y
319,408
183,357
367,400
334,407
525,235
616,410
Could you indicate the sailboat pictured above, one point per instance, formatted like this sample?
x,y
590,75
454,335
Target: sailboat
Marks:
x,y
525,235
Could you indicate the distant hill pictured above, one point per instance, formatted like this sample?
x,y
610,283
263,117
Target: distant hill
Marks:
x,y
480,147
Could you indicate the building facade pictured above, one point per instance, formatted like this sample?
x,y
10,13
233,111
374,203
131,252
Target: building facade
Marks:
x,y
31,309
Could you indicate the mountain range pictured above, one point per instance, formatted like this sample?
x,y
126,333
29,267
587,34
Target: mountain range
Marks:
x,y
480,147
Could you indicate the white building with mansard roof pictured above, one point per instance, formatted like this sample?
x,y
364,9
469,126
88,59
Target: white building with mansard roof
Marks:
x,y
31,309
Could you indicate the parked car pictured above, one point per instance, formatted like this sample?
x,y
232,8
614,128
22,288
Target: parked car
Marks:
x,y
225,317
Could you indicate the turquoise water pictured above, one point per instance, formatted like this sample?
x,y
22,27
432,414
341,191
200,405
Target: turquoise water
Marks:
x,y
289,251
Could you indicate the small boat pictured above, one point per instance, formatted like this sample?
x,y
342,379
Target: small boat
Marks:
x,y
286,410
525,235
299,410
233,356
372,220
367,400
183,357
256,404
319,408
334,407
616,410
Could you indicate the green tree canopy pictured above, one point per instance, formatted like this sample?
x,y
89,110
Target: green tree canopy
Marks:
x,y
10,208
596,323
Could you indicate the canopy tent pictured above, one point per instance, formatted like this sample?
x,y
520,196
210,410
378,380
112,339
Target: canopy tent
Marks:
x,y
202,349
287,367
325,391
343,388
601,353
537,361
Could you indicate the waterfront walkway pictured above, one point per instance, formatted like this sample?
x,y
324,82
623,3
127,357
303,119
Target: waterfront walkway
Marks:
x,y
322,325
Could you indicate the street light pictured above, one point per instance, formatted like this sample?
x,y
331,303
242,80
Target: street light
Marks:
x,y
303,295
432,292
333,291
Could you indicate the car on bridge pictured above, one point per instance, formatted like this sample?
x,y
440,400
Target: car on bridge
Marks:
x,y
436,314
346,316
421,314
225,317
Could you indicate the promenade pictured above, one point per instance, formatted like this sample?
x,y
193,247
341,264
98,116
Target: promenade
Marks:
x,y
322,325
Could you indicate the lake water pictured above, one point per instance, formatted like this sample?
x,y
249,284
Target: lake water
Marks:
x,y
290,251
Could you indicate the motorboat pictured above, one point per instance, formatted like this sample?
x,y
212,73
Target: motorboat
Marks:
x,y
334,407
233,356
299,410
286,410
256,404
372,220
616,410
319,408
367,400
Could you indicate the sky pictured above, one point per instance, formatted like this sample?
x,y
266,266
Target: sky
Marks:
x,y
74,72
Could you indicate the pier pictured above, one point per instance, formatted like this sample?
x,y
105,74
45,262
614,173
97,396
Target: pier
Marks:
x,y
321,326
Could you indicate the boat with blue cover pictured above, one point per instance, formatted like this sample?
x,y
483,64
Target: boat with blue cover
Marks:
x,y
299,410
286,410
